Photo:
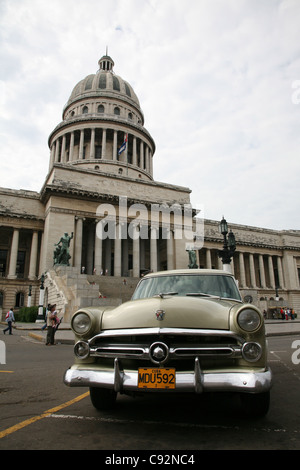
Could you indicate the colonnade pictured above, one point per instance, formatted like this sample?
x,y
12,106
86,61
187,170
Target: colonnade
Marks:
x,y
12,256
101,144
254,270
121,255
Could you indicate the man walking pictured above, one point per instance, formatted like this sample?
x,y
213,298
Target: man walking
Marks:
x,y
9,319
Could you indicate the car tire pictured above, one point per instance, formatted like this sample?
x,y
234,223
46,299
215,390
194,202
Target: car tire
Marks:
x,y
255,405
103,398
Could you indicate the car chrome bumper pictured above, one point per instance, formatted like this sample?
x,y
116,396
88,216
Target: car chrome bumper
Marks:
x,y
196,381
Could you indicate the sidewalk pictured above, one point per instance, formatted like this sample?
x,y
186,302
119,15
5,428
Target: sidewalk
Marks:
x,y
65,335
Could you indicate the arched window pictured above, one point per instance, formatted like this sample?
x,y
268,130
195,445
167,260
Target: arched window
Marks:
x,y
130,116
117,111
100,108
85,110
20,299
116,84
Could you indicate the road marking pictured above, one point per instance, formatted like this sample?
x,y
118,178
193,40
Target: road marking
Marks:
x,y
25,423
7,371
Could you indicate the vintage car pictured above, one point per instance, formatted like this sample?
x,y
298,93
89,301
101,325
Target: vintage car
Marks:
x,y
182,331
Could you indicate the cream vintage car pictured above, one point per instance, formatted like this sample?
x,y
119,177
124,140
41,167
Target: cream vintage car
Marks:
x,y
182,331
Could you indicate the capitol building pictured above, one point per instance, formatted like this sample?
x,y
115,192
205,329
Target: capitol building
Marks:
x,y
100,177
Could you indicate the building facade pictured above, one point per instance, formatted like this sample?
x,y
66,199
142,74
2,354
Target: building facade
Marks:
x,y
100,191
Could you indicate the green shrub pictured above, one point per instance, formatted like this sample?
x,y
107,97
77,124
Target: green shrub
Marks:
x,y
27,314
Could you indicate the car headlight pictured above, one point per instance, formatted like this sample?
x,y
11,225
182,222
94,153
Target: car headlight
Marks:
x,y
252,352
248,319
81,323
82,349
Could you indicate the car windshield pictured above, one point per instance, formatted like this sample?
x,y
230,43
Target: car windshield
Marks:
x,y
188,285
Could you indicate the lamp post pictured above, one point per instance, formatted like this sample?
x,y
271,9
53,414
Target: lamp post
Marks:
x,y
229,245
40,318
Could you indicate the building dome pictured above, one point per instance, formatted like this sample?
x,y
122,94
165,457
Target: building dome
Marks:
x,y
103,127
104,83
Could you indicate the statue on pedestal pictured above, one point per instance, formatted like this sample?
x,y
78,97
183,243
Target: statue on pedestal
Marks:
x,y
61,253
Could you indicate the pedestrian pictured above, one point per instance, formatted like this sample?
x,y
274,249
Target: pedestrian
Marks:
x,y
45,325
282,313
51,325
9,319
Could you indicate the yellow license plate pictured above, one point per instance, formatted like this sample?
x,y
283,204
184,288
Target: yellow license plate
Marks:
x,y
156,378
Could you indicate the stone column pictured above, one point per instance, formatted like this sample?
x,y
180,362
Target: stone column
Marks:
x,y
142,155
81,144
280,272
242,269
71,149
13,255
208,258
78,243
271,272
252,271
170,250
115,149
134,161
104,143
98,253
262,271
63,150
136,253
117,256
33,256
57,150
92,144
153,249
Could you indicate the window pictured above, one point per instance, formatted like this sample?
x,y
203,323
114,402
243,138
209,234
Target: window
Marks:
x,y
20,299
89,82
130,116
117,111
102,81
116,84
85,110
3,258
127,89
100,108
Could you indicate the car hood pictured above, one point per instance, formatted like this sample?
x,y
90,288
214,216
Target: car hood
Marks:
x,y
179,312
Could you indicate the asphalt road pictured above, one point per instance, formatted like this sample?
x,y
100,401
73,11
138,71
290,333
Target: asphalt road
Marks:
x,y
37,411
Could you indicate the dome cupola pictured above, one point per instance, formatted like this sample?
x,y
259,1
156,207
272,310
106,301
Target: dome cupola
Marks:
x,y
103,127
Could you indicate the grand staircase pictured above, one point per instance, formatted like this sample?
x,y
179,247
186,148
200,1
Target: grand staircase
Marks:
x,y
70,290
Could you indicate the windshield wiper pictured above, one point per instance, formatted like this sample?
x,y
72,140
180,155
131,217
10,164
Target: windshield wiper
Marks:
x,y
162,294
202,294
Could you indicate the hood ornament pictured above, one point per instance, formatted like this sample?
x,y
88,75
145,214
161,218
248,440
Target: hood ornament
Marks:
x,y
160,315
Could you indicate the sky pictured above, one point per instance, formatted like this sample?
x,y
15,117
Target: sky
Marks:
x,y
218,82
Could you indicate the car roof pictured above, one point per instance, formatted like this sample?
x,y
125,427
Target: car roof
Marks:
x,y
189,271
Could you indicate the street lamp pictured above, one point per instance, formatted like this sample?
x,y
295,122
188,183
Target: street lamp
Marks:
x,y
40,317
229,245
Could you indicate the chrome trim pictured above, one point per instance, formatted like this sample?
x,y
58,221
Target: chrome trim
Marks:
x,y
166,331
195,381
142,352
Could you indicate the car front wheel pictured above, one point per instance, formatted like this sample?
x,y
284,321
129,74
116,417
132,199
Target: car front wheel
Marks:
x,y
103,398
255,404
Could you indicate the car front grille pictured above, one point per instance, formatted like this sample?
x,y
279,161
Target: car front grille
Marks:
x,y
164,345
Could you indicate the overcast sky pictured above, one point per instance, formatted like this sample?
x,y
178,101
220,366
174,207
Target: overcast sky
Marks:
x,y
218,82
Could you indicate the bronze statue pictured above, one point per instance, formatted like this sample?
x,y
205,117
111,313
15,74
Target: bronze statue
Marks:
x,y
61,253
192,259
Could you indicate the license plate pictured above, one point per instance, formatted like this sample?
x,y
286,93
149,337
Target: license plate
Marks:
x,y
156,378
